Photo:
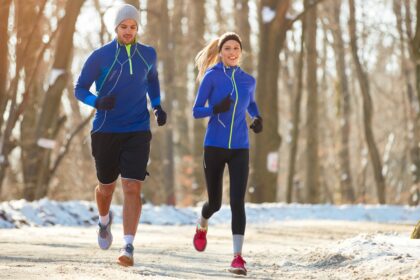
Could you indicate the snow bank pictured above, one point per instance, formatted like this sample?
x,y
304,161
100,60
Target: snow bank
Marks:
x,y
18,213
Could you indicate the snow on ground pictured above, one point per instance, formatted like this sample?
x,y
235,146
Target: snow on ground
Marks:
x,y
360,254
18,213
390,255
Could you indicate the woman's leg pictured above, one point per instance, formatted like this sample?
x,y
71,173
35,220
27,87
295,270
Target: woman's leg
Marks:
x,y
214,165
238,173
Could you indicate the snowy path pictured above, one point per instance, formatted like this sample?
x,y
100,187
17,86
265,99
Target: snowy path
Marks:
x,y
282,250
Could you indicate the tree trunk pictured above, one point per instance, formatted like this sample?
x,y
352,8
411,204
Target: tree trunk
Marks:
x,y
168,58
416,232
344,110
155,189
181,115
48,121
367,110
196,31
416,52
412,120
30,150
4,66
272,36
26,31
312,161
415,103
4,38
220,16
241,12
296,119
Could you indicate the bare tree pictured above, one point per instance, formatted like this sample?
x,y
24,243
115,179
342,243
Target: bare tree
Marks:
x,y
181,113
156,193
367,109
296,106
48,122
312,163
15,108
168,59
273,25
241,13
272,37
4,37
344,109
196,22
414,103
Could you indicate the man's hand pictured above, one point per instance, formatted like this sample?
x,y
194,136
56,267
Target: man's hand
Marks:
x,y
160,115
257,124
105,102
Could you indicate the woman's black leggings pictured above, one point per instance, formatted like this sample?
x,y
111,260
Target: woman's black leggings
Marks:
x,y
214,165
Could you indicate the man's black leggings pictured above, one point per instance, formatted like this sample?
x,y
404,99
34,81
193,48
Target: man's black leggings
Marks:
x,y
214,163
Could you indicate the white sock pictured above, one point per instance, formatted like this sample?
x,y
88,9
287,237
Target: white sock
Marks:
x,y
104,220
238,241
203,222
128,239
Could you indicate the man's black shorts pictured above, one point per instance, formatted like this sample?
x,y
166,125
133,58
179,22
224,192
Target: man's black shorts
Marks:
x,y
121,153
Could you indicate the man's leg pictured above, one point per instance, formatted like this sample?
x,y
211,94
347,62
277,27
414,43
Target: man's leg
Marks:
x,y
133,163
132,205
103,195
131,215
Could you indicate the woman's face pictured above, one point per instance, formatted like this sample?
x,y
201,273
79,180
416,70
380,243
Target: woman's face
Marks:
x,y
231,53
126,31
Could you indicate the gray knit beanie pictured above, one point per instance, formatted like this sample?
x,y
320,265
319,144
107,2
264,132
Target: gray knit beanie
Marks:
x,y
124,12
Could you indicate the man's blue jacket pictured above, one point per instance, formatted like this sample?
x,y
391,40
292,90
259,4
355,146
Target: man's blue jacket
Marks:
x,y
128,72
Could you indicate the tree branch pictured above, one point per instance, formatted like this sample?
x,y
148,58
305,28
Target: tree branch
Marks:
x,y
70,138
302,14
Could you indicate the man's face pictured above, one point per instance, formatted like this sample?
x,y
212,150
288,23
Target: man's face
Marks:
x,y
126,31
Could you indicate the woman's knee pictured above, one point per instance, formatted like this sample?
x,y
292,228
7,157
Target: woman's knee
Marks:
x,y
237,204
215,206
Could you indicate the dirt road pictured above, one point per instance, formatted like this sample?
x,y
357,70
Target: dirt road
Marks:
x,y
287,250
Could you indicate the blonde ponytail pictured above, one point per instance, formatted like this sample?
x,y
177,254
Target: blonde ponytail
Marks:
x,y
206,58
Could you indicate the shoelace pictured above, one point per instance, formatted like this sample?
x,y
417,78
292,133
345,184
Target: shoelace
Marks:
x,y
201,233
129,248
103,231
239,260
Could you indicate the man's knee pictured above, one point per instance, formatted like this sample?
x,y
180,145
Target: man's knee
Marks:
x,y
131,187
106,190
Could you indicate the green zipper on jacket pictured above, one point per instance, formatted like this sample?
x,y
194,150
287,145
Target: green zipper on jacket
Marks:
x,y
128,48
234,108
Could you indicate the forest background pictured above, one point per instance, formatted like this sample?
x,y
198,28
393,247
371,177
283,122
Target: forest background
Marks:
x,y
338,87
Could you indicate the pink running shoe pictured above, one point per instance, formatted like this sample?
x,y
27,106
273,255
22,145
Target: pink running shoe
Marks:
x,y
238,266
200,240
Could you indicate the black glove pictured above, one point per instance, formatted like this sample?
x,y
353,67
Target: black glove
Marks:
x,y
160,115
257,124
222,106
106,102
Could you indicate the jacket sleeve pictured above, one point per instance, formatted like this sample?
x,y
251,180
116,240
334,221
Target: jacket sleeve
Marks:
x,y
203,94
252,107
153,81
90,72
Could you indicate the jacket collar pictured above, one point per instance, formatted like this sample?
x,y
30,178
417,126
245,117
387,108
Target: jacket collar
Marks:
x,y
120,45
220,66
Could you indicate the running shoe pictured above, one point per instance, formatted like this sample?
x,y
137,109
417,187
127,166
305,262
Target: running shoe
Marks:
x,y
238,266
200,240
104,234
126,256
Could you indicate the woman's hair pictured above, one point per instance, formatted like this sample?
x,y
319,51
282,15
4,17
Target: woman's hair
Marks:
x,y
208,56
